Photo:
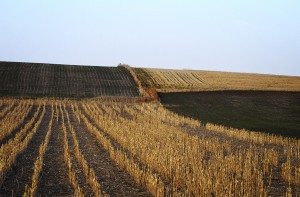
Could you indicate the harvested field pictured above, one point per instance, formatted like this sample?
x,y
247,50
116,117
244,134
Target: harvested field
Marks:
x,y
165,80
273,112
100,148
64,81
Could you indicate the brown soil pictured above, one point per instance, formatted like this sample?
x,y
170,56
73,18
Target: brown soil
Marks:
x,y
15,131
54,179
20,174
114,180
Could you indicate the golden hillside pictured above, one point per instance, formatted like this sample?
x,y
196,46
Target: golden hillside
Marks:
x,y
165,80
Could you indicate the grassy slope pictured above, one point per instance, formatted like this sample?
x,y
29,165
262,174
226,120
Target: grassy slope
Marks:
x,y
34,79
276,112
184,81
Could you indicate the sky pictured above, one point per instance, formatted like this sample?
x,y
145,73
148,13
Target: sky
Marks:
x,y
222,35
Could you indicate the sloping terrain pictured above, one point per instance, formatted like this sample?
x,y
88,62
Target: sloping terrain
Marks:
x,y
165,80
51,80
256,102
99,147
96,148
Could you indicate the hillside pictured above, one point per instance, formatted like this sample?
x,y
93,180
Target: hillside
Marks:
x,y
103,147
53,80
165,80
258,102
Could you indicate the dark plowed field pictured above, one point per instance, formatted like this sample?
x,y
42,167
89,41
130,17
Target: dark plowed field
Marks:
x,y
51,80
275,112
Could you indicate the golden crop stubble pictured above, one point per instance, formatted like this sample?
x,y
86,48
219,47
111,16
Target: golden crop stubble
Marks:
x,y
9,104
72,175
38,164
171,151
166,80
141,175
290,150
88,172
14,119
13,147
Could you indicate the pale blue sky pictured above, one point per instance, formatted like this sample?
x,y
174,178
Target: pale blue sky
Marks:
x,y
258,36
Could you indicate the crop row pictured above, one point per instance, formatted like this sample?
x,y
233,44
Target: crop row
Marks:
x,y
10,150
186,164
30,191
88,171
154,146
187,80
32,79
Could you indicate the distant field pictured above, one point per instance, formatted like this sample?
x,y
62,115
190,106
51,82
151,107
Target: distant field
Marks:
x,y
165,80
49,80
277,112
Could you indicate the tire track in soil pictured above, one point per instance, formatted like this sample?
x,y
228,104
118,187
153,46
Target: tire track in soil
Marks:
x,y
114,180
76,165
54,179
22,170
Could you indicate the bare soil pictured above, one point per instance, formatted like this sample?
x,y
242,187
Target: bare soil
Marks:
x,y
20,175
272,112
114,180
54,179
